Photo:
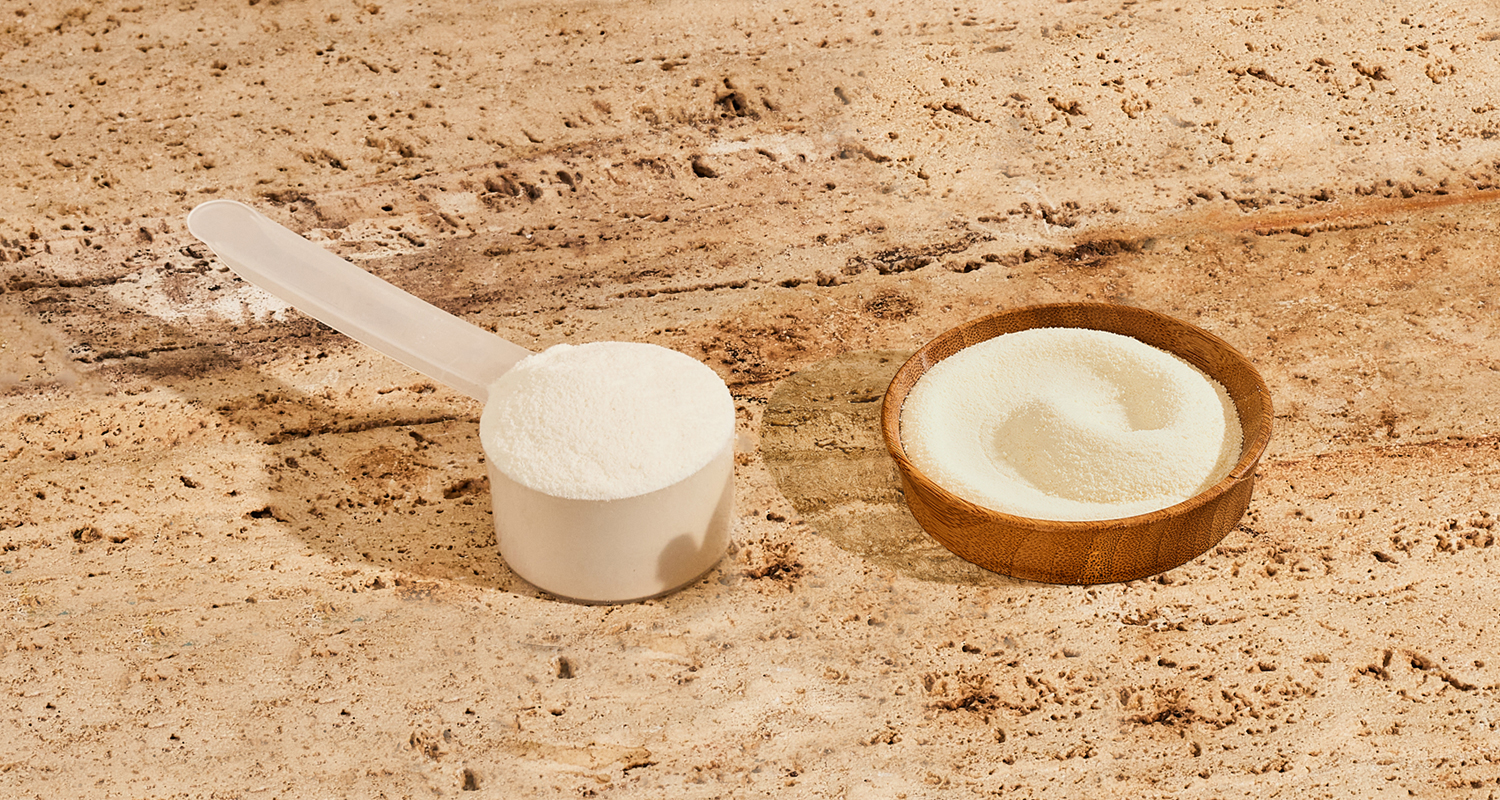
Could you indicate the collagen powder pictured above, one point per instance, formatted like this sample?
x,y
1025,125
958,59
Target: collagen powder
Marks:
x,y
607,420
1070,424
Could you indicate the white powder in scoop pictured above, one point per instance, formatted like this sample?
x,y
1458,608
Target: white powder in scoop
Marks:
x,y
1070,424
607,420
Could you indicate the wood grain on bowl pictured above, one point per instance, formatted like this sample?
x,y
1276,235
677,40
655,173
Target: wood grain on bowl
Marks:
x,y
1094,551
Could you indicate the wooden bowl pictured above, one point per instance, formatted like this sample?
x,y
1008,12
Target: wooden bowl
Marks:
x,y
1093,551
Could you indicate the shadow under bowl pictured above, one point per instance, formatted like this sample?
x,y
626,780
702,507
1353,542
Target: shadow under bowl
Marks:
x,y
1091,551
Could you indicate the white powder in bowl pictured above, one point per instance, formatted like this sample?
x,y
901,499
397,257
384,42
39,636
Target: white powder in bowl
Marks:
x,y
607,420
1070,424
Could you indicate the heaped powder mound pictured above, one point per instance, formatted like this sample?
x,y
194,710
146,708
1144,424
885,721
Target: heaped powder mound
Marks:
x,y
607,420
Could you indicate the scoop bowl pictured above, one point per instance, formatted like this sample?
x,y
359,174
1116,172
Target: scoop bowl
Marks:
x,y
1092,551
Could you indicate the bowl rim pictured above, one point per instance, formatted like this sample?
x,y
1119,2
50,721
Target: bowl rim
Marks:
x,y
1251,449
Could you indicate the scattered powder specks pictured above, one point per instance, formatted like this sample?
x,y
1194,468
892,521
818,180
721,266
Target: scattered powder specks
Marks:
x,y
1070,424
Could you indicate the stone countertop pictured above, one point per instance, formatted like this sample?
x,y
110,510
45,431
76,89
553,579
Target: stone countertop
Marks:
x,y
246,557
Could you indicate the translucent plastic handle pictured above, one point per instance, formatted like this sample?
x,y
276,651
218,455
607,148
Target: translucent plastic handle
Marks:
x,y
352,301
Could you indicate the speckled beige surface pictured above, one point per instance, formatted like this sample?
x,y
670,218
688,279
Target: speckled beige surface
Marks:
x,y
246,558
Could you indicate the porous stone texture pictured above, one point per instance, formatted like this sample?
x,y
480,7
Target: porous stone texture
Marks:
x,y
243,556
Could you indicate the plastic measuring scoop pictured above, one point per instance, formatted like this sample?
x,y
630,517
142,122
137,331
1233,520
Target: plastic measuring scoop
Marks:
x,y
607,550
350,300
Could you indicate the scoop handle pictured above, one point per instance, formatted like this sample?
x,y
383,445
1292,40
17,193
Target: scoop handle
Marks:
x,y
352,301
